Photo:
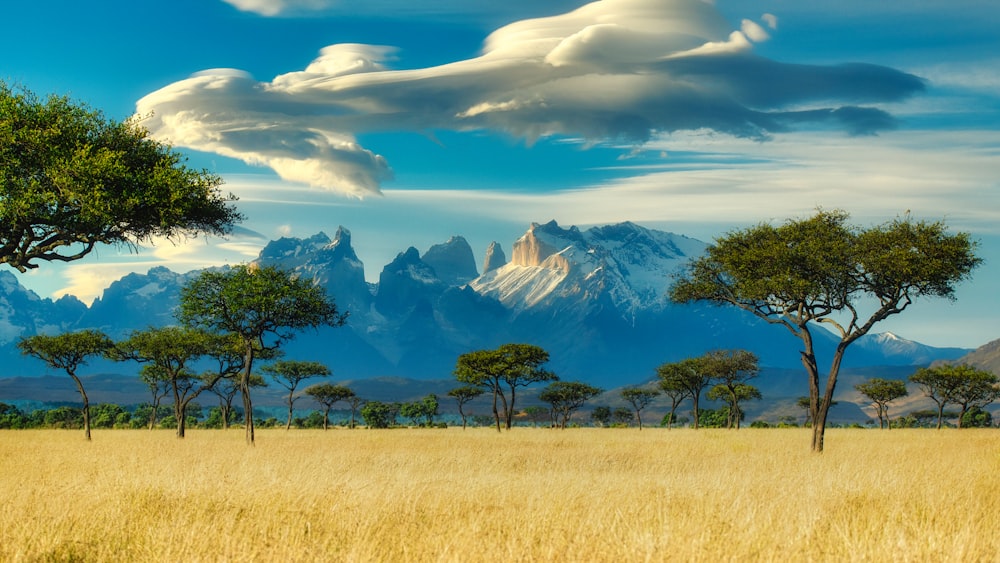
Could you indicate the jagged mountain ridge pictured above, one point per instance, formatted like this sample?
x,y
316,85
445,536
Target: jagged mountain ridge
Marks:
x,y
595,299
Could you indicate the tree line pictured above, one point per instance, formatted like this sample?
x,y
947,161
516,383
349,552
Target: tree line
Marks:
x,y
71,179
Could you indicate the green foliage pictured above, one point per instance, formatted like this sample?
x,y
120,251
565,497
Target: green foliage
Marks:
x,y
714,418
639,398
957,384
601,416
377,414
566,397
11,417
422,412
70,179
976,417
64,417
289,374
327,395
881,392
463,395
502,371
260,307
109,415
821,269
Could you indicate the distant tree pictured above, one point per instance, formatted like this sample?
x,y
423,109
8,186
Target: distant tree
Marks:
x,y
226,351
327,395
957,384
976,417
881,392
12,417
71,179
289,373
732,395
109,415
732,369
421,412
601,415
463,395
639,398
380,415
538,414
687,376
676,391
69,351
623,416
262,307
65,417
823,270
171,349
355,403
566,397
510,365
157,381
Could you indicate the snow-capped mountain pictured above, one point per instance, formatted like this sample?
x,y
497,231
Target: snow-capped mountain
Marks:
x,y
595,299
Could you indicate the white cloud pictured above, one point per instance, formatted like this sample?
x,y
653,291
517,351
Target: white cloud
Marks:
x,y
613,69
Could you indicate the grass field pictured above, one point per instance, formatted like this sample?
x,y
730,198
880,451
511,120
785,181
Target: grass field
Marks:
x,y
475,495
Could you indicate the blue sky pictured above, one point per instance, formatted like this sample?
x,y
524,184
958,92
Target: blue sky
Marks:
x,y
408,122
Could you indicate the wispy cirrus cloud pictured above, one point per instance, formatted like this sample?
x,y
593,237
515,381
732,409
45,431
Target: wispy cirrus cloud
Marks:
x,y
613,69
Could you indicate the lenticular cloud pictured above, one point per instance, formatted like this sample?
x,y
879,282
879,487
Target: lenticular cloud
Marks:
x,y
613,69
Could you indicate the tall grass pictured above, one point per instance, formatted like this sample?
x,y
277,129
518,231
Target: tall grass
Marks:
x,y
526,495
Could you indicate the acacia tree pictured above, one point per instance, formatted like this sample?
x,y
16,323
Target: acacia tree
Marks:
x,y
674,391
71,179
639,398
823,270
289,373
687,376
733,395
566,397
262,307
881,392
159,385
68,351
510,365
327,395
732,368
171,349
976,389
463,395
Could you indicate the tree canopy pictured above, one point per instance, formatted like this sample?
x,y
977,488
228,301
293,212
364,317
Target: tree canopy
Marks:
x,y
881,392
566,397
260,306
71,179
510,365
824,270
68,351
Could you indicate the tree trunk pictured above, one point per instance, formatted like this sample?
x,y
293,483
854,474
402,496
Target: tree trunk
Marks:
x,y
694,408
940,415
178,410
245,391
86,406
291,404
509,408
638,418
496,414
326,419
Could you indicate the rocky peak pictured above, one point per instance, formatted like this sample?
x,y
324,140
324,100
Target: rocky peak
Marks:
x,y
452,261
495,258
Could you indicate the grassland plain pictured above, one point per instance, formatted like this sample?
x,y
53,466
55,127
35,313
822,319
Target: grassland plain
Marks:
x,y
475,495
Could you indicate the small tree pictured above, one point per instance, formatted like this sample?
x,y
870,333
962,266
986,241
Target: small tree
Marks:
x,y
289,374
260,306
380,415
71,179
881,392
159,385
327,395
733,395
463,395
822,270
639,398
601,415
688,377
171,349
510,365
675,390
69,351
957,384
566,397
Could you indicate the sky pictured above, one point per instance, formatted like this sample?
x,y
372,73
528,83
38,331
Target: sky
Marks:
x,y
409,122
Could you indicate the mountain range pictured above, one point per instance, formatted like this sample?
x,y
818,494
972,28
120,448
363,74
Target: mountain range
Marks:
x,y
595,299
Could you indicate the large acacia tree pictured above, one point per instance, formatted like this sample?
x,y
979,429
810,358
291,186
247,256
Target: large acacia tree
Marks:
x,y
502,371
261,307
71,179
69,351
824,270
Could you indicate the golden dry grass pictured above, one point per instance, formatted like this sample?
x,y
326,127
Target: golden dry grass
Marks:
x,y
527,495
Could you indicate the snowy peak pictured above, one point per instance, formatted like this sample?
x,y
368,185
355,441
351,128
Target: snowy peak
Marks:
x,y
627,263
